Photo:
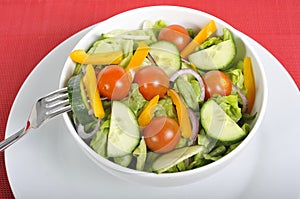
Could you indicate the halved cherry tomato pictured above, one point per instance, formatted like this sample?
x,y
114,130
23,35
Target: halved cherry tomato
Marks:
x,y
162,134
152,81
113,82
175,34
216,82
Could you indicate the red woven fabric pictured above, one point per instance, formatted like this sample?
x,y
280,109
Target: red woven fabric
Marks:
x,y
29,29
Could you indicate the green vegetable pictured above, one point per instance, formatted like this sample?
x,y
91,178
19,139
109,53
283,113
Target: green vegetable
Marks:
x,y
165,108
141,154
114,44
79,100
229,104
124,134
99,142
124,160
187,93
135,100
218,125
166,56
170,159
219,56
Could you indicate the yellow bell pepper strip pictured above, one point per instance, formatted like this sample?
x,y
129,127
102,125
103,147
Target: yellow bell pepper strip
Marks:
x,y
138,57
80,56
204,33
146,115
249,82
90,83
182,114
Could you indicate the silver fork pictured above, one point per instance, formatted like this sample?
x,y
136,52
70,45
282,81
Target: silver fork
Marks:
x,y
45,108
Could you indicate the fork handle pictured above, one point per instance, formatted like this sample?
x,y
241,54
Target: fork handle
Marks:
x,y
12,139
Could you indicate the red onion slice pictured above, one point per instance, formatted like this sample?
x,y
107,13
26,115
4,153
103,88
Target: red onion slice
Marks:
x,y
195,127
191,72
243,97
87,136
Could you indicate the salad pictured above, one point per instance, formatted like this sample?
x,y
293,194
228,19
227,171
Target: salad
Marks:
x,y
163,98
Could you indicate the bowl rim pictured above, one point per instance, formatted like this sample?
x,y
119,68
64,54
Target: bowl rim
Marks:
x,y
107,163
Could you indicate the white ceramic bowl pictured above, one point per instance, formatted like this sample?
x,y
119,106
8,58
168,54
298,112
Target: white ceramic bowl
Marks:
x,y
189,18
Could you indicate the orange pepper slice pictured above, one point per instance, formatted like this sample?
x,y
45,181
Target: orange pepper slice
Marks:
x,y
204,33
182,114
146,115
80,56
90,83
249,82
138,57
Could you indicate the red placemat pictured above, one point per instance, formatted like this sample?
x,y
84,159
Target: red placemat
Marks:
x,y
31,29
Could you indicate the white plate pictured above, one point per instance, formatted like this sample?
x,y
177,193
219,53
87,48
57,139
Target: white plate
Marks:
x,y
48,164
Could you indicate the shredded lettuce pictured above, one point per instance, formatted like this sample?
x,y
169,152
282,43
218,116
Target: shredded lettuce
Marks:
x,y
99,141
165,108
135,100
230,105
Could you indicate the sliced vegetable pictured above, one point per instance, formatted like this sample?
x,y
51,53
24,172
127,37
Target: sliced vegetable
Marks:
x,y
90,83
141,155
208,29
99,141
124,134
138,57
182,114
79,100
80,56
243,98
187,93
218,125
249,83
87,136
168,160
195,127
166,55
147,113
195,74
218,56
124,160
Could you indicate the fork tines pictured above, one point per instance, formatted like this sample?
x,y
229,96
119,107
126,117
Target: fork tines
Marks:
x,y
56,102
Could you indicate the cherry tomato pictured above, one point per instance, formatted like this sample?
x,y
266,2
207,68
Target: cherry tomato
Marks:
x,y
216,82
152,81
113,82
175,34
162,134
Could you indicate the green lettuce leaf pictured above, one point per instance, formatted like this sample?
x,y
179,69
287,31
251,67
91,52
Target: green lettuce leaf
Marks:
x,y
135,100
99,141
165,108
230,105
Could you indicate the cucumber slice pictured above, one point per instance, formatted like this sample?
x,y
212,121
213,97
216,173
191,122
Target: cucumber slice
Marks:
x,y
218,125
166,55
79,101
124,135
216,57
168,160
124,160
